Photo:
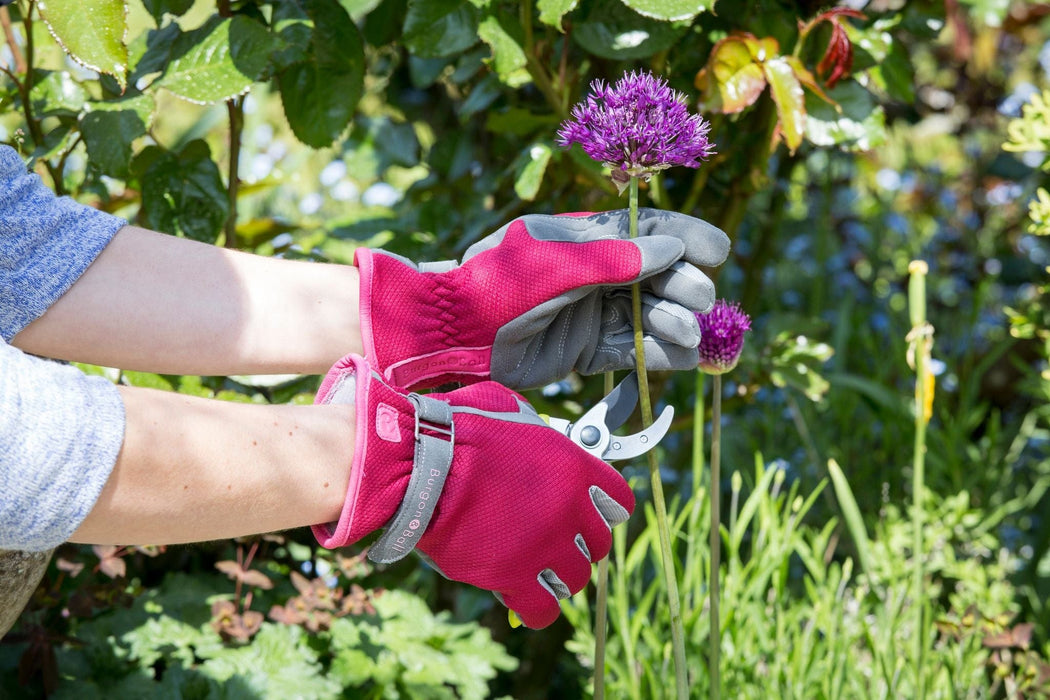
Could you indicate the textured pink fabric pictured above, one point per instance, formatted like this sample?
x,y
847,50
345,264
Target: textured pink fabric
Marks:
x,y
516,497
378,473
429,328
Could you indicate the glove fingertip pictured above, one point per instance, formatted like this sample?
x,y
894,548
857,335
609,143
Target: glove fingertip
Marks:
x,y
658,253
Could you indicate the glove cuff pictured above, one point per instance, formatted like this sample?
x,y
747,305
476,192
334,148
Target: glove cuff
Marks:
x,y
412,323
383,447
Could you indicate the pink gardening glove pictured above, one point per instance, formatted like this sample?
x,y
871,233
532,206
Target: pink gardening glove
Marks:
x,y
490,493
541,297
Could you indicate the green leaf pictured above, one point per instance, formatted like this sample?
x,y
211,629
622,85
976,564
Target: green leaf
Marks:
x,y
57,93
436,28
858,125
321,93
790,99
357,9
92,32
481,96
219,60
531,166
518,121
552,11
612,30
669,10
109,128
851,514
158,8
508,57
182,192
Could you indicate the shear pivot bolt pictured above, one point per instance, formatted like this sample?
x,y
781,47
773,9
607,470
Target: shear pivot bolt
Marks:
x,y
590,436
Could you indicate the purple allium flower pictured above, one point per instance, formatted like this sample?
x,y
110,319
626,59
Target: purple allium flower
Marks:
x,y
722,336
637,127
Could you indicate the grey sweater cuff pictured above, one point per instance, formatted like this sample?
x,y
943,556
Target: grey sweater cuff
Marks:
x,y
46,243
60,434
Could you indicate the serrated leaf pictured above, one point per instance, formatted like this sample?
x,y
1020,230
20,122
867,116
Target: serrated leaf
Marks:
x,y
790,100
531,167
110,128
182,192
612,30
669,10
57,93
552,11
508,57
92,32
219,60
437,28
320,93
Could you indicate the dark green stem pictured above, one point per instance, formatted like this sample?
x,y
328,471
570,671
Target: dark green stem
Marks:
x,y
659,505
235,109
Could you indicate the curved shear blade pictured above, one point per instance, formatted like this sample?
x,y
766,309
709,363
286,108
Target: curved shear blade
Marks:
x,y
628,446
621,401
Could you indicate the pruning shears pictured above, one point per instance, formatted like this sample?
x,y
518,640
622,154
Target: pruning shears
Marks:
x,y
593,431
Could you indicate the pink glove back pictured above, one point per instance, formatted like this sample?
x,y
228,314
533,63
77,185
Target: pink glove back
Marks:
x,y
519,510
539,298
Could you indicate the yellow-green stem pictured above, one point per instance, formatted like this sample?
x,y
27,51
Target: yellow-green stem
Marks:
x,y
716,539
601,603
920,339
659,505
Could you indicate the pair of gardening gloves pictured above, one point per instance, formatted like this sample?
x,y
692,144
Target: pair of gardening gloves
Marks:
x,y
474,479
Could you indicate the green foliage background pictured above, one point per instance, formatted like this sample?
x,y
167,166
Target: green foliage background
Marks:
x,y
306,128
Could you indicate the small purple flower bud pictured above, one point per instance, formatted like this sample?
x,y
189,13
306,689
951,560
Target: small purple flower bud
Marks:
x,y
722,336
637,127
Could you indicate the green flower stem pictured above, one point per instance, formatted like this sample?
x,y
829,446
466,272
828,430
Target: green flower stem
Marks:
x,y
715,641
696,593
601,604
670,579
920,341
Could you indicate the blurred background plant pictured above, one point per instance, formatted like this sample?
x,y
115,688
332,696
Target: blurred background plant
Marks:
x,y
851,140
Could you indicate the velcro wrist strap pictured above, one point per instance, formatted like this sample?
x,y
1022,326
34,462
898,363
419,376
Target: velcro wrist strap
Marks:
x,y
434,443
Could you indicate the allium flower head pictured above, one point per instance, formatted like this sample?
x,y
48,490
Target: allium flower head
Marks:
x,y
722,336
637,127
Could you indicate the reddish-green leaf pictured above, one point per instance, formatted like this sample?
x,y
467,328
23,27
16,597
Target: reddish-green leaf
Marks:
x,y
738,79
791,106
808,81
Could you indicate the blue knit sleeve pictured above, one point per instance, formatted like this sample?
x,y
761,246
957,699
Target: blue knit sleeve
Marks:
x,y
60,434
46,243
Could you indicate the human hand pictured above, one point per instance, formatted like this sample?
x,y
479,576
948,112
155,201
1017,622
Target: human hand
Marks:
x,y
540,297
480,484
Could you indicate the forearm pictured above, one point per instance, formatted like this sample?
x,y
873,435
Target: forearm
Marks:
x,y
163,304
194,469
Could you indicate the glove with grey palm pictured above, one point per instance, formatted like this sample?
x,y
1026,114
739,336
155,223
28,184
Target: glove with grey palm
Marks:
x,y
541,297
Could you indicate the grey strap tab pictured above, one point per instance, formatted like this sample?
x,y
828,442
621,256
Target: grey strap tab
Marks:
x,y
434,443
438,266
